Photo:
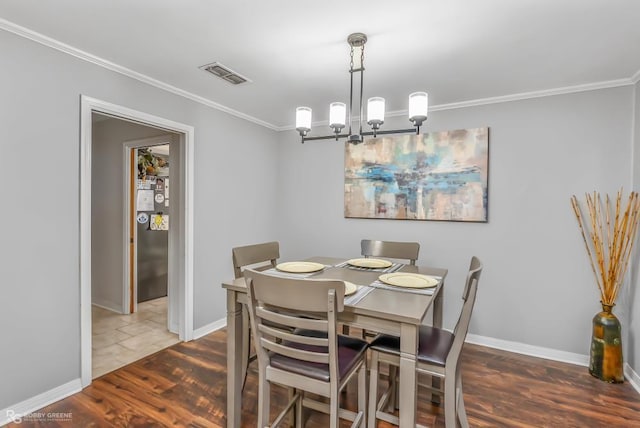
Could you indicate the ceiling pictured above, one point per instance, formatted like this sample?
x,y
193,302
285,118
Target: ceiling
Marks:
x,y
295,52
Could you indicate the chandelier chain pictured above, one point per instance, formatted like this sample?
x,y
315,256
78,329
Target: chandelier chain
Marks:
x,y
351,60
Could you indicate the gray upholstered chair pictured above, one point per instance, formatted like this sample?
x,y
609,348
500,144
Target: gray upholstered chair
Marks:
x,y
390,249
307,354
438,355
259,257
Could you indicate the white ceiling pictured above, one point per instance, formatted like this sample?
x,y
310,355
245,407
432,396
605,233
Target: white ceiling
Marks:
x,y
295,51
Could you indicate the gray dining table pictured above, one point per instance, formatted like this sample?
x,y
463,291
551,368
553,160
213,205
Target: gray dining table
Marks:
x,y
382,310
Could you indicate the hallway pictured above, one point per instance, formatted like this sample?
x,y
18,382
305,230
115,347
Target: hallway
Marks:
x,y
118,340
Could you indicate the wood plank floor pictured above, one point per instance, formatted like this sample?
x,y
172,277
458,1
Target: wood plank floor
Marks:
x,y
185,385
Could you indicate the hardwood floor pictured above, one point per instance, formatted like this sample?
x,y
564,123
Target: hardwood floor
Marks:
x,y
185,385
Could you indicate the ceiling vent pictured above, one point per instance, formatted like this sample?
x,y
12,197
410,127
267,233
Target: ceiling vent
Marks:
x,y
225,73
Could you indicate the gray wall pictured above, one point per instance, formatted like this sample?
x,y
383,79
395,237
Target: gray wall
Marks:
x,y
631,293
107,205
537,287
39,117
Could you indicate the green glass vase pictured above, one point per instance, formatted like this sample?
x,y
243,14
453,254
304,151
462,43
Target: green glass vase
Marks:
x,y
606,347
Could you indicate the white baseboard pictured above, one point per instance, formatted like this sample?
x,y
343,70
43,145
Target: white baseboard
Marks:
x,y
550,354
209,328
108,306
632,377
531,350
39,401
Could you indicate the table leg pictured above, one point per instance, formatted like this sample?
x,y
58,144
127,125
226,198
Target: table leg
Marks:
x,y
408,378
438,303
234,365
437,322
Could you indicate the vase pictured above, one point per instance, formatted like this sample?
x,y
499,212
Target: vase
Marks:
x,y
606,347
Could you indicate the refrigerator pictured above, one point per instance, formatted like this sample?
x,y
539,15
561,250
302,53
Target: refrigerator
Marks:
x,y
152,240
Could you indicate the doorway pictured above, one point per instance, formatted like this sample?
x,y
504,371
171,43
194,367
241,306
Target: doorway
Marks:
x,y
179,301
131,304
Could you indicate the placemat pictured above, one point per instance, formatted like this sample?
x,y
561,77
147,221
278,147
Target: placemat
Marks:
x,y
281,274
394,267
427,291
362,292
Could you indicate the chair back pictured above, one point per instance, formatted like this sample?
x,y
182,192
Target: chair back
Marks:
x,y
469,298
279,309
393,250
266,254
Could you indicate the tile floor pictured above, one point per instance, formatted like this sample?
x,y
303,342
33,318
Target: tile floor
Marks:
x,y
122,339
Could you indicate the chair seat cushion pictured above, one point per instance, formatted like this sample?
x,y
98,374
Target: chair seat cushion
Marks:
x,y
350,352
433,348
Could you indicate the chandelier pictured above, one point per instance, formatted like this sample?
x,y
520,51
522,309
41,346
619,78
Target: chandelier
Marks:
x,y
418,106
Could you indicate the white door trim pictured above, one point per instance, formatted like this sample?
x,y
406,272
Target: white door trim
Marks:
x,y
87,106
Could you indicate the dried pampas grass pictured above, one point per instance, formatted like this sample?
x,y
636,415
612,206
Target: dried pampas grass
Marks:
x,y
609,237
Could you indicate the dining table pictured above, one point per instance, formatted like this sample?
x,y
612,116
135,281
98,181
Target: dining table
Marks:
x,y
376,307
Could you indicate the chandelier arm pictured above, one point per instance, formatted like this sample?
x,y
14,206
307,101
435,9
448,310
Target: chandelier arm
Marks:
x,y
366,134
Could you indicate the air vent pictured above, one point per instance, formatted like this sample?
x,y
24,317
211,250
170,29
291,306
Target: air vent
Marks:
x,y
225,73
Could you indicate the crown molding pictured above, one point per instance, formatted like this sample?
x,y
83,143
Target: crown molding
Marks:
x,y
536,94
505,98
85,56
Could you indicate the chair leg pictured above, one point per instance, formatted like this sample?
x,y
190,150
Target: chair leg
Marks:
x,y
246,345
334,407
394,388
450,414
373,390
264,399
362,393
291,392
298,419
462,413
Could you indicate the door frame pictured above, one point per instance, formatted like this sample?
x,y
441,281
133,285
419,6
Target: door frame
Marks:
x,y
89,105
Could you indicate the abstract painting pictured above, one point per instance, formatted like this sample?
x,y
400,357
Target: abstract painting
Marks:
x,y
434,176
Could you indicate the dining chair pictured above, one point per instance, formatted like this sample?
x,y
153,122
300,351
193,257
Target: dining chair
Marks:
x,y
439,354
259,257
310,356
263,255
391,249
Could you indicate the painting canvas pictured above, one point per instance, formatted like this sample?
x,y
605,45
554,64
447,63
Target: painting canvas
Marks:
x,y
434,176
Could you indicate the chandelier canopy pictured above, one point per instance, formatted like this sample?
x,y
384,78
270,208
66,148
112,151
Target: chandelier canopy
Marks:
x,y
418,106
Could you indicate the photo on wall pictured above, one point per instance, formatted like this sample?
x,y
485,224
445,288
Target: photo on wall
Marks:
x,y
433,176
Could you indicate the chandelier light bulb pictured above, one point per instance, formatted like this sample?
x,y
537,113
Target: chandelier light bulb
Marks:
x,y
303,120
337,116
418,107
375,112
